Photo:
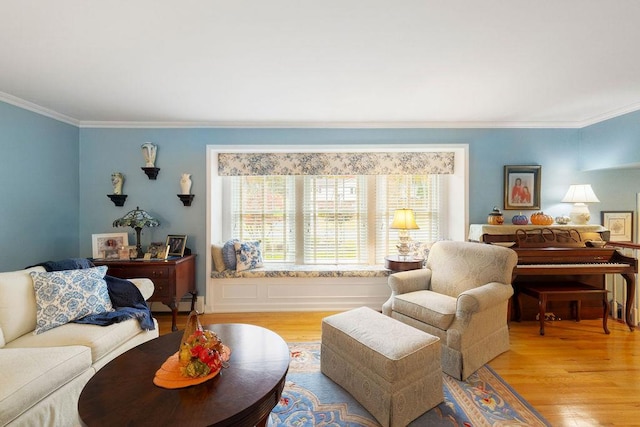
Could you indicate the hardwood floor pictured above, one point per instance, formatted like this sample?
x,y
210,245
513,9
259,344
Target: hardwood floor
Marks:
x,y
575,375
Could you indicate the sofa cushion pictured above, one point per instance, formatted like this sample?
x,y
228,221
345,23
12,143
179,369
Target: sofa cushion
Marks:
x,y
33,374
102,340
439,311
64,296
248,255
17,304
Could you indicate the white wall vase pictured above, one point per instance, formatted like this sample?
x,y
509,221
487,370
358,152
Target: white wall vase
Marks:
x,y
185,183
149,153
117,179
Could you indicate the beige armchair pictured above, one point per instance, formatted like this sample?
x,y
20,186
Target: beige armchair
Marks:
x,y
462,297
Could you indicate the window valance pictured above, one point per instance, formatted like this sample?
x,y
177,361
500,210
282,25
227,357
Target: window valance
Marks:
x,y
398,163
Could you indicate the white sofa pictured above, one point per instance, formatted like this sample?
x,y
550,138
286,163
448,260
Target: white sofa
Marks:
x,y
42,376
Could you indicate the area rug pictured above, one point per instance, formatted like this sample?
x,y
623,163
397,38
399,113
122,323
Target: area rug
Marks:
x,y
312,399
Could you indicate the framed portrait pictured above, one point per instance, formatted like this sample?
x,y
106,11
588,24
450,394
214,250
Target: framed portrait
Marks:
x,y
619,224
108,245
176,244
522,187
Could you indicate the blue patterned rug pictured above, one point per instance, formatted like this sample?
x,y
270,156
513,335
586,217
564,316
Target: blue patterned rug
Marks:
x,y
312,399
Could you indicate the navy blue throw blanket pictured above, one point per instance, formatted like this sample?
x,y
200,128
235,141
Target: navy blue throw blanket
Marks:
x,y
127,301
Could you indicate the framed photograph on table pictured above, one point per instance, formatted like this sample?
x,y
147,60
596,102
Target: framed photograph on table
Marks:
x,y
176,244
619,224
522,187
108,245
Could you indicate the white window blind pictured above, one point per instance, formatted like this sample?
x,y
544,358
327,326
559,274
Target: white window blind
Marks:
x,y
263,208
332,219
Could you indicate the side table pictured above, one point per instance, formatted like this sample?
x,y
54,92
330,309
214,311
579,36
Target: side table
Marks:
x,y
398,263
172,278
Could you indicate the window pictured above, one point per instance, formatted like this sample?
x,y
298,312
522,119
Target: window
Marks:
x,y
324,218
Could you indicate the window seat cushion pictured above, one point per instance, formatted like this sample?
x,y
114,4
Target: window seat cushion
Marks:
x,y
292,270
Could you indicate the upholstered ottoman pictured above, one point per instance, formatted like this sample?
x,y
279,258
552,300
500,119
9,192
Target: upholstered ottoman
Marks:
x,y
392,369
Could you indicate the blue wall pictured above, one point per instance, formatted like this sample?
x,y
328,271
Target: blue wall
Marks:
x,y
39,196
60,223
104,151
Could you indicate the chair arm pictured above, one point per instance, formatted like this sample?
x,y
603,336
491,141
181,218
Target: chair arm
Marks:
x,y
145,285
483,297
409,281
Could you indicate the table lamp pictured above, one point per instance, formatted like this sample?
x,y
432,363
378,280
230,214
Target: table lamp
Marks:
x,y
579,195
137,219
404,220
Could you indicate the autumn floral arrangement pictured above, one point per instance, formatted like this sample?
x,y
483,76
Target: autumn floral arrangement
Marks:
x,y
200,354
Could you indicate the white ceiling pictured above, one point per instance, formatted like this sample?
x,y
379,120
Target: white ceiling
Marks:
x,y
545,63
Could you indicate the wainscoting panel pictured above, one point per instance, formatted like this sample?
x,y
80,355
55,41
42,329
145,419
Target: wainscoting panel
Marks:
x,y
262,294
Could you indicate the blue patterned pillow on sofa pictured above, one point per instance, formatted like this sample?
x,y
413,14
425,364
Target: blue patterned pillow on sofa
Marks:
x,y
64,296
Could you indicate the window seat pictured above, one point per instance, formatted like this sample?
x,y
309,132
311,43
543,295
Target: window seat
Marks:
x,y
276,270
288,287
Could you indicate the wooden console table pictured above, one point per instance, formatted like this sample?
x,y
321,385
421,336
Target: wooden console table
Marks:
x,y
172,278
399,263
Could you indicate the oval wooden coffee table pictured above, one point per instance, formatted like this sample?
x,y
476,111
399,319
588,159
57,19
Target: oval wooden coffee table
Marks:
x,y
123,393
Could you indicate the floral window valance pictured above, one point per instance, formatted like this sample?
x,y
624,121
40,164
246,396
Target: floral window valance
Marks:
x,y
400,163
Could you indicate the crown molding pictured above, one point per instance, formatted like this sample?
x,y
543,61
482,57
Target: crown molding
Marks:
x,y
30,106
332,125
610,115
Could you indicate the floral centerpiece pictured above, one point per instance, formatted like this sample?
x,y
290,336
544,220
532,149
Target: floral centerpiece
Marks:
x,y
200,357
200,354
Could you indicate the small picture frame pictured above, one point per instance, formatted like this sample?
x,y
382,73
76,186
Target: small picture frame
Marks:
x,y
522,187
108,245
157,249
176,244
619,224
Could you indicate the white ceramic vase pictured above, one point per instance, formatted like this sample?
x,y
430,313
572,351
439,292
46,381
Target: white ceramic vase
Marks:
x,y
185,183
149,154
117,179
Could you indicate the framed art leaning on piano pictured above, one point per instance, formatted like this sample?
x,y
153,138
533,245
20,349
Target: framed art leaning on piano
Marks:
x,y
620,225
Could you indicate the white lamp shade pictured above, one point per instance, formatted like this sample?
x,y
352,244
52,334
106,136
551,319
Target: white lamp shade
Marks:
x,y
404,219
580,193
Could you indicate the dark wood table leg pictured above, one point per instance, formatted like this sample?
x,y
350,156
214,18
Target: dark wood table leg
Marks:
x,y
194,296
542,308
174,314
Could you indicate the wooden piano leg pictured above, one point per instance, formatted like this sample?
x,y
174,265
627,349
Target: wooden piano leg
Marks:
x,y
542,308
631,292
605,313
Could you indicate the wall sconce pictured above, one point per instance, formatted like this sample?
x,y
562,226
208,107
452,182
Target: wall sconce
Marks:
x,y
579,195
404,220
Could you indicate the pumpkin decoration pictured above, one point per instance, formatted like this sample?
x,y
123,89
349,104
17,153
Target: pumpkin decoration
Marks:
x,y
495,217
520,219
540,218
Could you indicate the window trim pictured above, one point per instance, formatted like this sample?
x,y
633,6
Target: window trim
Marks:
x,y
458,189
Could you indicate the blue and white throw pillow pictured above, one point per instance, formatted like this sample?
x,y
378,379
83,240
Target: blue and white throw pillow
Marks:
x,y
248,255
229,254
64,296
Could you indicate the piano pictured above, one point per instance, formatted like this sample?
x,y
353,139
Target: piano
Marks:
x,y
553,256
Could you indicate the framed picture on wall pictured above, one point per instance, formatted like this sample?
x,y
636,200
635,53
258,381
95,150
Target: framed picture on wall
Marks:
x,y
522,187
619,224
108,245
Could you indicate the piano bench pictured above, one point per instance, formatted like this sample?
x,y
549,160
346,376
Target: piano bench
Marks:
x,y
567,291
